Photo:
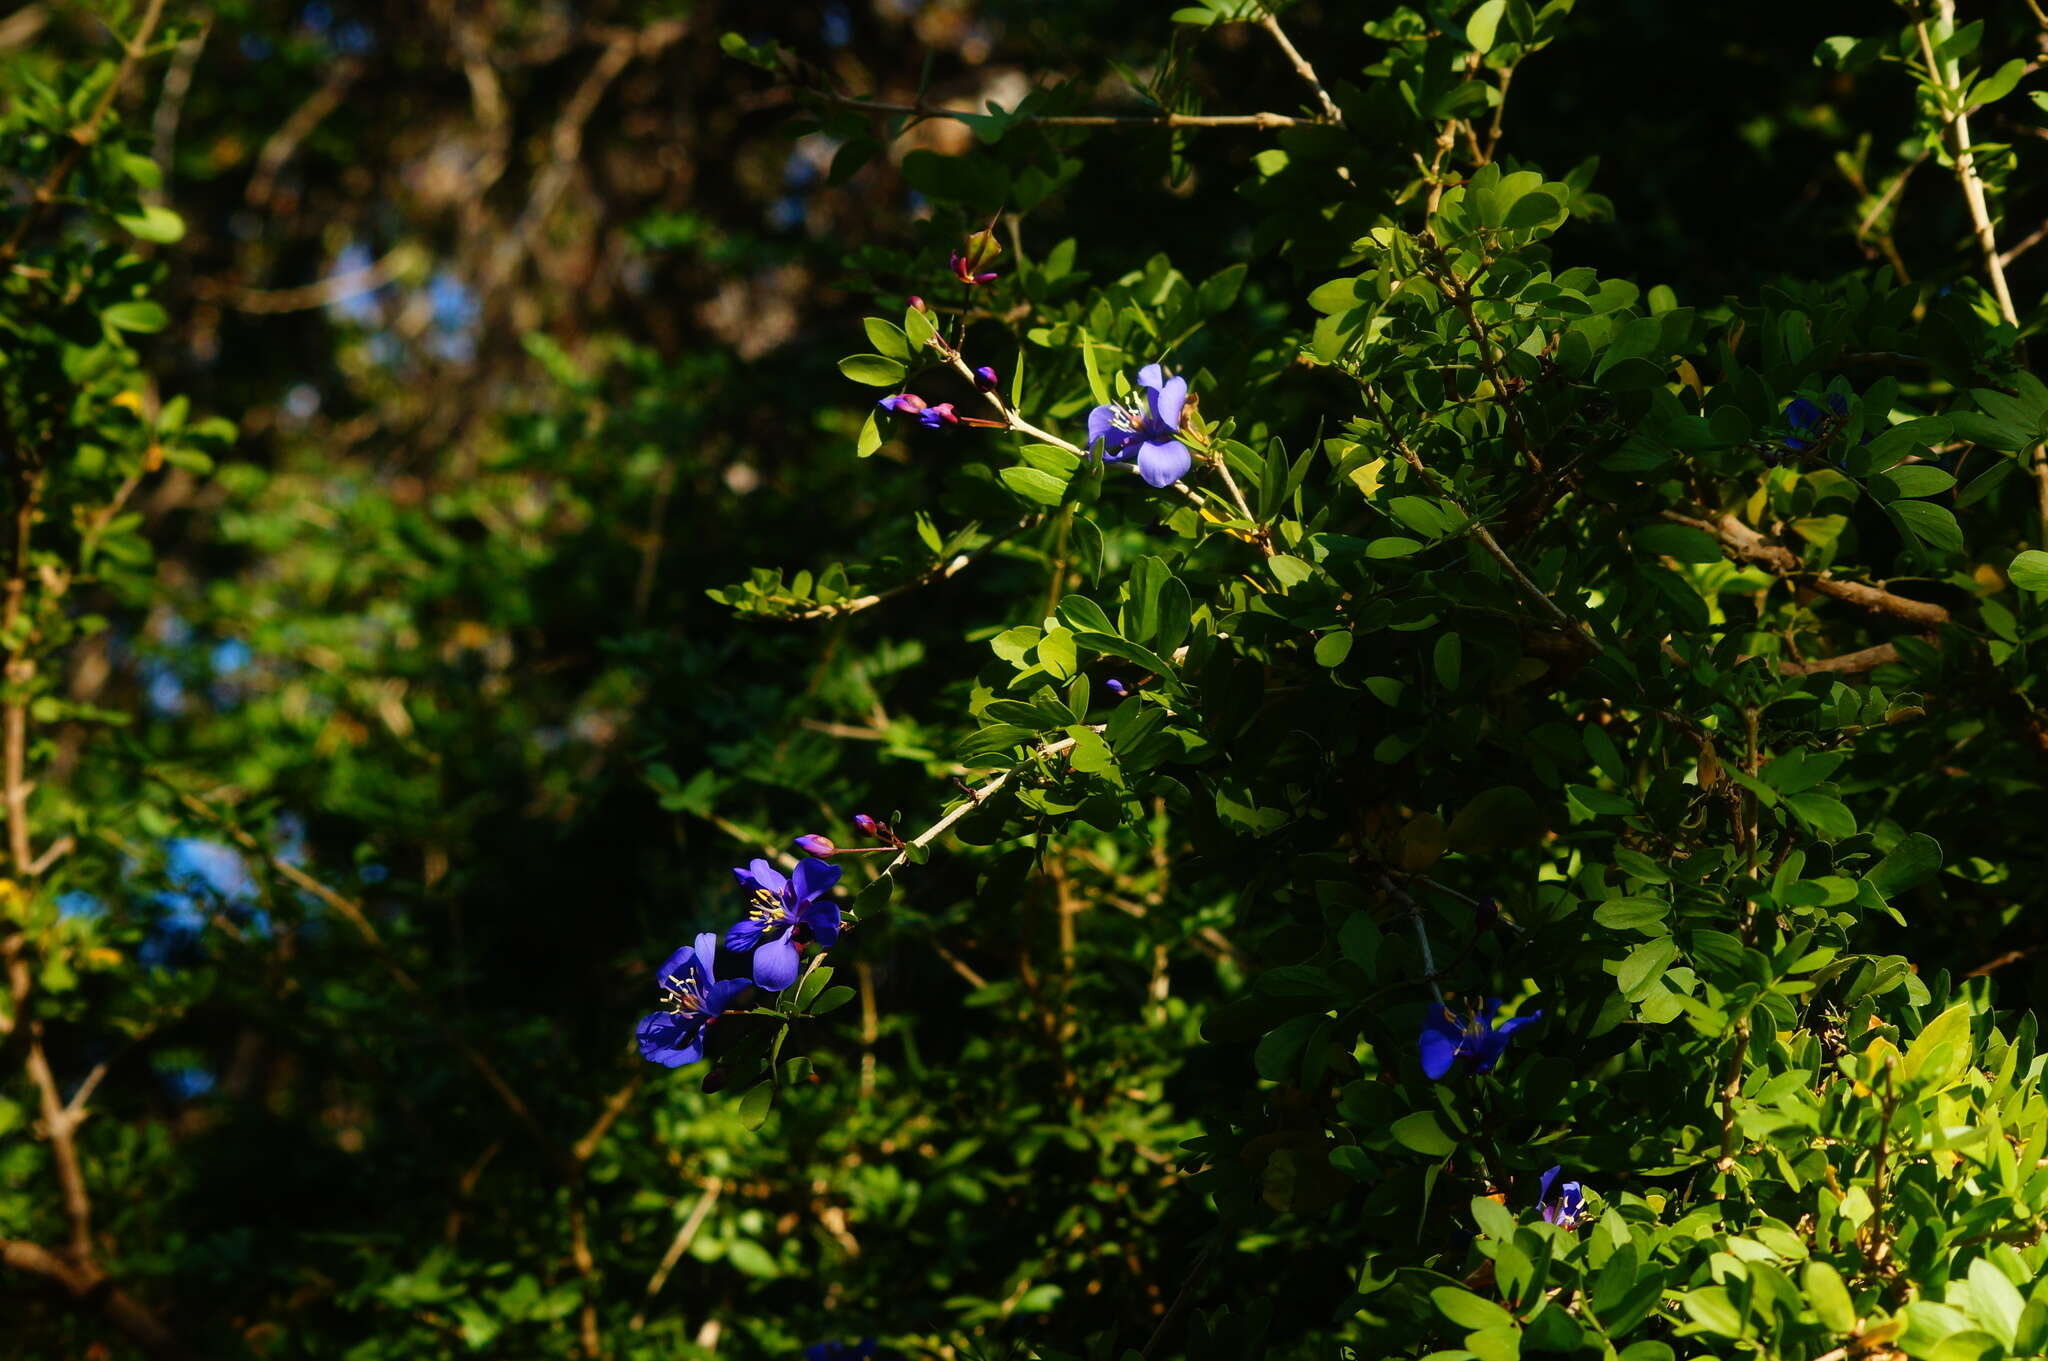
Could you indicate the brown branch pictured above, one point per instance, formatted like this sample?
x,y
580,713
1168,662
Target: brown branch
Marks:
x,y
83,135
1847,664
295,129
89,1286
1745,544
1081,120
57,1128
334,288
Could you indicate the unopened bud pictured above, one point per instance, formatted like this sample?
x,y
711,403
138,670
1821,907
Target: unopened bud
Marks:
x,y
986,379
810,843
916,303
909,403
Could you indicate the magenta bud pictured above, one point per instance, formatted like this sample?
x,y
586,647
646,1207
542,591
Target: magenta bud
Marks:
x,y
866,825
986,379
909,403
938,415
916,302
810,843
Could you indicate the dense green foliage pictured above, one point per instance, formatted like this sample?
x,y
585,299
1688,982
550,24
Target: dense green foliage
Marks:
x,y
449,524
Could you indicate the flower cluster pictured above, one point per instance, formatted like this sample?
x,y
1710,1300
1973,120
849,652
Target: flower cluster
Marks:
x,y
785,912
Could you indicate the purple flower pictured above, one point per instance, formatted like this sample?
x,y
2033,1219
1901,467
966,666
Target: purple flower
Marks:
x,y
866,825
909,403
1117,688
786,912
987,379
938,416
810,843
694,998
1808,422
1445,1039
1569,1207
1147,430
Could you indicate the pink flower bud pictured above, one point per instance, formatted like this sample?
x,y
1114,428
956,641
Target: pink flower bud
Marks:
x,y
810,843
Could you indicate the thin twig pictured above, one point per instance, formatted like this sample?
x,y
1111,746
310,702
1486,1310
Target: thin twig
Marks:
x,y
1080,120
1301,67
713,1187
1944,74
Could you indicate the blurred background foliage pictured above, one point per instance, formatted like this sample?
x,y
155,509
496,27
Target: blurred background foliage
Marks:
x,y
525,316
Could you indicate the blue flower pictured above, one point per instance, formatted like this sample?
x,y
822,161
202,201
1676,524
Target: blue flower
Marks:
x,y
1147,430
1807,422
786,912
1445,1039
1569,1207
694,998
867,1349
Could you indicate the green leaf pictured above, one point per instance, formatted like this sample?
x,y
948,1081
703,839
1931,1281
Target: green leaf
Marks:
x,y
154,223
887,338
1484,25
1941,1051
1828,1296
755,1104
1033,485
877,371
143,316
1713,1310
1915,479
1333,648
832,999
870,436
1421,1131
1824,813
2029,571
1913,861
1682,543
1932,524
1468,1310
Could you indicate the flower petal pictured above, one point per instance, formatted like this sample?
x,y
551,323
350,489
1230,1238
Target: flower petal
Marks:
x,y
743,936
1543,1186
814,879
775,964
1164,462
1438,1044
681,967
707,954
1168,401
669,1040
1151,376
761,874
725,994
823,919
1102,425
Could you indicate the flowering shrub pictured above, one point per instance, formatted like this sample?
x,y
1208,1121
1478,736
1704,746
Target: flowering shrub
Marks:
x,y
1488,628
1456,733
